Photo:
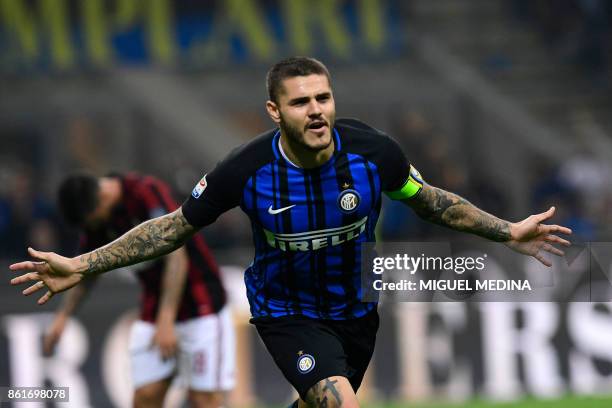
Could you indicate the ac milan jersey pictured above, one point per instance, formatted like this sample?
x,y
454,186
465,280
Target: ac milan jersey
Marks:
x,y
308,224
143,198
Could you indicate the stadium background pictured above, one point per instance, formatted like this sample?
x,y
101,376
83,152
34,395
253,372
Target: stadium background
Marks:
x,y
505,102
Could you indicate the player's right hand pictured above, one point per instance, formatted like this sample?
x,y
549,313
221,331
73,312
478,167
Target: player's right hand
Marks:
x,y
52,271
54,333
166,340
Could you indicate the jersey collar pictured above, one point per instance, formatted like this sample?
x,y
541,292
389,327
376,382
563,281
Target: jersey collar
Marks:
x,y
279,154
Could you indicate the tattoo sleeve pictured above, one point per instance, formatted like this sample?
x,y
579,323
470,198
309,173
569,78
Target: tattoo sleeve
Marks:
x,y
448,209
148,240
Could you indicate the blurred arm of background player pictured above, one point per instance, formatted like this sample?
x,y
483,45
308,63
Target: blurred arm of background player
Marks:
x,y
71,301
528,237
173,283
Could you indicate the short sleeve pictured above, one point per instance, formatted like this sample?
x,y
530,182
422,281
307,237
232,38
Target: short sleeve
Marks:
x,y
400,180
217,192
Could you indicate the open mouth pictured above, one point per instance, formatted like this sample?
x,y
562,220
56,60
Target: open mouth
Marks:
x,y
316,125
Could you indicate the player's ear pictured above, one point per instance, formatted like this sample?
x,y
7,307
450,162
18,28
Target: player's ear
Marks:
x,y
273,111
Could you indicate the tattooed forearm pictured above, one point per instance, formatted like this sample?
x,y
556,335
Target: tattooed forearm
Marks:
x,y
451,210
148,240
324,394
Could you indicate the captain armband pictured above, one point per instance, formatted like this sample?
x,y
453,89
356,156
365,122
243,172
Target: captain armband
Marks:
x,y
411,187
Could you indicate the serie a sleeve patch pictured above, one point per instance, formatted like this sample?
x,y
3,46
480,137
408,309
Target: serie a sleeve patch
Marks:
x,y
411,187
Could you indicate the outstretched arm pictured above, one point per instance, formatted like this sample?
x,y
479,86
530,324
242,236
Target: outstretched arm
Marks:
x,y
148,240
448,209
151,239
528,237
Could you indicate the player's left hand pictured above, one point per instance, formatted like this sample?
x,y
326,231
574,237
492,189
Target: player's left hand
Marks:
x,y
531,237
165,339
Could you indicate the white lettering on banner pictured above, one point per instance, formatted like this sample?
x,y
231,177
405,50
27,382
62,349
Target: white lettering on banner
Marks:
x,y
30,368
542,370
414,372
503,342
431,349
115,361
441,353
591,332
27,364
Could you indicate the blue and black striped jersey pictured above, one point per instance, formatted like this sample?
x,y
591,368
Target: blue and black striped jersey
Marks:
x,y
308,224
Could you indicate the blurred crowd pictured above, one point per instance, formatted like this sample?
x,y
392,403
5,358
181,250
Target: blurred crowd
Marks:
x,y
578,187
27,215
580,31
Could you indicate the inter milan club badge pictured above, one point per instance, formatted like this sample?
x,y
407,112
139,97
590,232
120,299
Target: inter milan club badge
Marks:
x,y
349,200
305,363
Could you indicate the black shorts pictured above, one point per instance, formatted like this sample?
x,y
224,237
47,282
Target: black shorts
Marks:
x,y
309,350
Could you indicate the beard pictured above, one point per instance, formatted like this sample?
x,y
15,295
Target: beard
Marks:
x,y
296,135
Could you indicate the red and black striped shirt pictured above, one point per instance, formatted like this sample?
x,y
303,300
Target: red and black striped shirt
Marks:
x,y
143,198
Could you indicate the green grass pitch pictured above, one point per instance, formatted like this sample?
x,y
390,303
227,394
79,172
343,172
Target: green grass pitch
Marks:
x,y
569,402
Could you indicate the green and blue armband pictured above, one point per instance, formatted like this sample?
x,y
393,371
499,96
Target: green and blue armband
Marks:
x,y
411,187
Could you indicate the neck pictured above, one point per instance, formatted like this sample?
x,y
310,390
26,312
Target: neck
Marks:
x,y
304,157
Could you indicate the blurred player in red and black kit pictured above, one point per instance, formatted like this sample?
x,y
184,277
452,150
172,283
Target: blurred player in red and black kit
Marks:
x,y
183,304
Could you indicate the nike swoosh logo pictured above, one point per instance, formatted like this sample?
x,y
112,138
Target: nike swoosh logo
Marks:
x,y
279,210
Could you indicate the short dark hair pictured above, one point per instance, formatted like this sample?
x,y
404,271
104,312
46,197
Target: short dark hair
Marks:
x,y
292,67
78,197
